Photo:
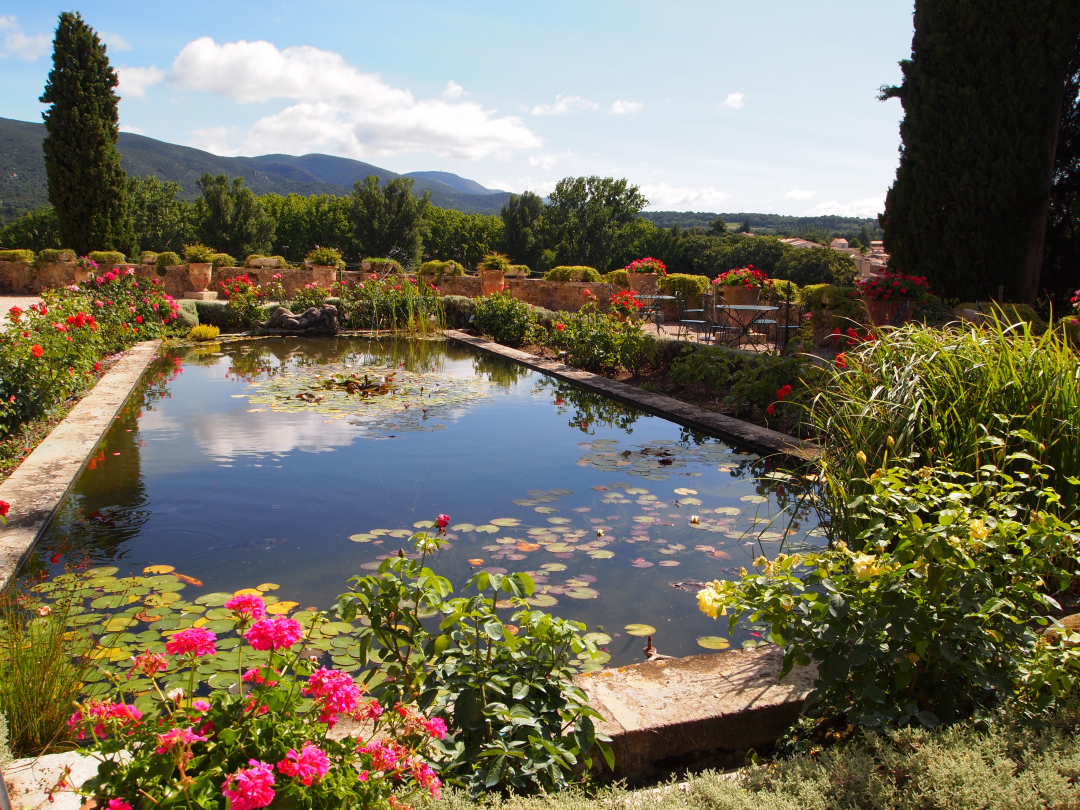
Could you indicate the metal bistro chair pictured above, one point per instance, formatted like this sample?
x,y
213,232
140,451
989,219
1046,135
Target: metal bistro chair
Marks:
x,y
784,327
689,319
720,325
653,309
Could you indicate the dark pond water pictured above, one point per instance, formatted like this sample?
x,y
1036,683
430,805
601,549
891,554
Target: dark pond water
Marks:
x,y
216,468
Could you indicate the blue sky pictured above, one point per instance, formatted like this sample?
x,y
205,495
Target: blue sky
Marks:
x,y
708,106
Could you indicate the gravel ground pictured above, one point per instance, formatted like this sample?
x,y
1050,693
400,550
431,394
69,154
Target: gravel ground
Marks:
x,y
9,301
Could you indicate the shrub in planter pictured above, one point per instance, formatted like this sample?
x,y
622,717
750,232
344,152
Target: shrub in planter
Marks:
x,y
503,318
107,257
518,271
572,273
495,261
166,259
647,265
386,265
620,278
49,255
199,254
148,257
220,260
24,256
436,271
691,287
324,257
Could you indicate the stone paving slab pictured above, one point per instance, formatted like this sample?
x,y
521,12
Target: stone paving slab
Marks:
x,y
701,711
37,487
30,781
749,435
8,301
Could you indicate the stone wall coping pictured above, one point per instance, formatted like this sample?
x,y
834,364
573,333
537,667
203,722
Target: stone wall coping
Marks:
x,y
758,438
36,489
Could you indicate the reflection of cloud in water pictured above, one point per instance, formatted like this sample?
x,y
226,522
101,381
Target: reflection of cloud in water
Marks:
x,y
233,434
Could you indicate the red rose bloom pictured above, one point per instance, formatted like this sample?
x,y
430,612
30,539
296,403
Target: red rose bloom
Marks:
x,y
37,350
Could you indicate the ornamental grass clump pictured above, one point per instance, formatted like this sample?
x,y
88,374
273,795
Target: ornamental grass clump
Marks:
x,y
997,393
264,744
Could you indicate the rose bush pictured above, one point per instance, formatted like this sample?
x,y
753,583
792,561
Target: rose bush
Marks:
x,y
51,351
260,744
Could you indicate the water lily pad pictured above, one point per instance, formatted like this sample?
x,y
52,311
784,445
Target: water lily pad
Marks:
x,y
641,564
424,524
113,601
362,538
583,593
601,554
542,600
463,527
559,521
400,534
598,638
553,567
685,491
102,571
223,680
640,630
546,510
644,519
713,643
754,498
158,569
506,522
281,608
489,528
556,548
668,563
525,502
213,599
690,501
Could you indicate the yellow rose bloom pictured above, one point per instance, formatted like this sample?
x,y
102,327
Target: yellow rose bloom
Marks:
x,y
978,530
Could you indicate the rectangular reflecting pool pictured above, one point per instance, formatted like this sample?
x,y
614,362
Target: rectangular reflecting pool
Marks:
x,y
251,463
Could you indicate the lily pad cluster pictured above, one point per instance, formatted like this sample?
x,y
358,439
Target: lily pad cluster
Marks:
x,y
656,460
370,395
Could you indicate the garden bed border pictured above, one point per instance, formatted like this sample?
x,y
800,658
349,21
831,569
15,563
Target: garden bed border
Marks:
x,y
36,489
755,437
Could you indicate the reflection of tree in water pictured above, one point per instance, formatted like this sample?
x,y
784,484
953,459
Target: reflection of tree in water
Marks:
x,y
107,506
500,371
588,409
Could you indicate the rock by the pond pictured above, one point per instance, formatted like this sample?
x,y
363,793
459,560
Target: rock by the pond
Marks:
x,y
1071,624
314,321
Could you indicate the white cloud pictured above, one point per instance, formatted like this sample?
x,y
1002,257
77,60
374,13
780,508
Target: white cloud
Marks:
x,y
134,130
625,107
541,187
868,207
798,194
18,44
547,162
734,101
662,196
114,42
339,109
564,104
134,81
453,91
219,140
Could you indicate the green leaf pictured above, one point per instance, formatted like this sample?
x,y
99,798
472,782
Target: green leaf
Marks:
x,y
495,772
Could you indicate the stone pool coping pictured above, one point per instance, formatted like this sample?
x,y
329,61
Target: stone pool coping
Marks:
x,y
757,438
40,483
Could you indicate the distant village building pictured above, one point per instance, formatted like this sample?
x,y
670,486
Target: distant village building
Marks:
x,y
839,244
795,242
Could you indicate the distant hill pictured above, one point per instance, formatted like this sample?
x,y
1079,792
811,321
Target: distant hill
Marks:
x,y
766,223
23,184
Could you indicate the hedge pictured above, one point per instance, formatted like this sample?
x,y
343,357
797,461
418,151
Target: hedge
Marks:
x,y
20,255
107,257
572,273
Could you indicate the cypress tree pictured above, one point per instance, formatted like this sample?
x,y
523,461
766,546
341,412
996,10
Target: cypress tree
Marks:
x,y
983,93
87,187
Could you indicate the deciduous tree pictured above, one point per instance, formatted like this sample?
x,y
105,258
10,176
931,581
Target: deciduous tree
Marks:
x,y
231,218
389,218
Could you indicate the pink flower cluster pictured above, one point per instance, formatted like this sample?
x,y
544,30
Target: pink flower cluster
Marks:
x,y
177,737
101,711
247,606
335,692
256,677
191,641
395,760
307,766
149,664
274,634
250,788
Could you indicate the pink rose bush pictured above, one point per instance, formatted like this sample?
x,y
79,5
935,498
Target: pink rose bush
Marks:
x,y
265,743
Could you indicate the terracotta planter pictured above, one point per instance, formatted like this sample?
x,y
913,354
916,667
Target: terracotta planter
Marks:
x,y
884,311
740,296
640,281
491,281
323,274
199,273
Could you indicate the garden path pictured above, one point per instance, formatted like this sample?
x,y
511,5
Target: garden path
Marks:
x,y
9,301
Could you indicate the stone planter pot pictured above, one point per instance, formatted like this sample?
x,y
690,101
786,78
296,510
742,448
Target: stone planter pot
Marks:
x,y
641,281
884,312
323,274
199,273
740,296
491,281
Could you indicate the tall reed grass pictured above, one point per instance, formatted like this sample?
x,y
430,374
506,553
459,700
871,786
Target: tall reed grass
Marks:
x,y
991,394
44,661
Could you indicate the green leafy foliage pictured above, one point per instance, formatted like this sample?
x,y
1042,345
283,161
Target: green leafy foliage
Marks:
x,y
927,616
199,254
303,223
326,256
434,272
107,257
220,260
572,273
388,217
19,255
597,342
397,303
203,332
515,716
750,380
245,301
54,255
34,230
231,217
587,220
504,318
164,260
162,220
458,237
87,187
691,287
494,261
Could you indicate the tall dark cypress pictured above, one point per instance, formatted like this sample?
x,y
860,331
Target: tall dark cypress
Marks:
x,y
87,187
983,94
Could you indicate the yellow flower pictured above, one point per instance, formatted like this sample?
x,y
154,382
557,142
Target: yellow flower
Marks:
x,y
913,658
866,566
978,530
925,472
710,600
742,571
861,457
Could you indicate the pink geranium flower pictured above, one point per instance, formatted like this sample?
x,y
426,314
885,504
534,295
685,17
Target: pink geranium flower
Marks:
x,y
250,788
247,605
435,727
182,737
307,766
118,804
274,634
335,692
192,641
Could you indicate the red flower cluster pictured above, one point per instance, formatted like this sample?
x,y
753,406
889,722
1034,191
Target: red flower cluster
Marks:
x,y
647,265
743,277
240,284
893,285
625,303
852,337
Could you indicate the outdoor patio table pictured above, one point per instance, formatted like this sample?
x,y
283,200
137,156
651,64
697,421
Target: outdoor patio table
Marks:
x,y
653,309
743,317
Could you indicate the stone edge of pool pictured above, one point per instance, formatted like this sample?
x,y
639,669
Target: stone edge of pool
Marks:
x,y
36,489
725,427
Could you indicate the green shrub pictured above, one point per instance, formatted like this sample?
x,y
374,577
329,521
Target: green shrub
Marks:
x,y
572,273
1014,313
925,614
310,295
996,393
148,257
107,257
324,257
252,257
214,313
599,343
458,309
751,380
783,290
283,263
220,260
518,271
504,319
187,315
436,271
495,261
198,254
166,259
49,255
381,264
691,287
620,278
24,256
203,332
